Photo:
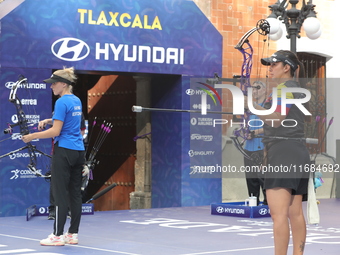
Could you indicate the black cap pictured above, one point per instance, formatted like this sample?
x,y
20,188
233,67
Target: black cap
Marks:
x,y
278,57
55,78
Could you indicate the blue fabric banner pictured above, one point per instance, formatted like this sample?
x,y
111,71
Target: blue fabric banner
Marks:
x,y
145,36
19,187
151,37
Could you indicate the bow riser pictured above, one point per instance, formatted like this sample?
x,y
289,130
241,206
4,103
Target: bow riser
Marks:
x,y
247,52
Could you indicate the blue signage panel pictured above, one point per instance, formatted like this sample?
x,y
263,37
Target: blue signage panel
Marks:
x,y
138,36
205,138
42,210
19,187
173,144
145,36
239,209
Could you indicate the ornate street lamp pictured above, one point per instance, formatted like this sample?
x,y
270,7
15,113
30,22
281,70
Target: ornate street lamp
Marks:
x,y
293,19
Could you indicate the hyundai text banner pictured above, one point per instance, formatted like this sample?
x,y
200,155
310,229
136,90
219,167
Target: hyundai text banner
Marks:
x,y
149,36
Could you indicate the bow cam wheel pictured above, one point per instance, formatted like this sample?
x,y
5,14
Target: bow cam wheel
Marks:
x,y
263,27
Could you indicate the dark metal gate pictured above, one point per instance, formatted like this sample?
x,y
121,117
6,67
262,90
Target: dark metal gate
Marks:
x,y
315,126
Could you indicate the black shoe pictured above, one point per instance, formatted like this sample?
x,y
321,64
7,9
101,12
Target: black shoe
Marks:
x,y
51,215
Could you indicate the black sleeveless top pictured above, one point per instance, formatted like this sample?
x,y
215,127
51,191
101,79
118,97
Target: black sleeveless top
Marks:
x,y
293,123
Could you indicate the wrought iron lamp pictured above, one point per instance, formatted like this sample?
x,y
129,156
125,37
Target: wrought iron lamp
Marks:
x,y
293,19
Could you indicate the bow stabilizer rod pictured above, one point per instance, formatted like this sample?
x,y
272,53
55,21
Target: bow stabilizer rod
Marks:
x,y
137,108
307,140
101,193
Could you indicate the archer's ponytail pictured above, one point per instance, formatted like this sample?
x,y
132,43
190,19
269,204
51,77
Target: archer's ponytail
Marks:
x,y
299,73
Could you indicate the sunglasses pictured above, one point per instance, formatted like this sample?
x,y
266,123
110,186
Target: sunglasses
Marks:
x,y
256,87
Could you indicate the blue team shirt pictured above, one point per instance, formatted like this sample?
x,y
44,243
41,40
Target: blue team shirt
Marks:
x,y
68,109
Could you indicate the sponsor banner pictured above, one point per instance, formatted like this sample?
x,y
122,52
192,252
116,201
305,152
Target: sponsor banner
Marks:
x,y
42,210
205,139
171,154
239,209
19,187
149,36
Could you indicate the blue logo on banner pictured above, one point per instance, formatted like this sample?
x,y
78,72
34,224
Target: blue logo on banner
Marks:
x,y
238,209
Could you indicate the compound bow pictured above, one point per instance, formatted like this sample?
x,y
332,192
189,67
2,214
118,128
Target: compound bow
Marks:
x,y
262,27
24,125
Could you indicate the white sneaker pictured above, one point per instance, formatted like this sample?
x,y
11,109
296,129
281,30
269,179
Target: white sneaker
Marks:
x,y
53,240
71,238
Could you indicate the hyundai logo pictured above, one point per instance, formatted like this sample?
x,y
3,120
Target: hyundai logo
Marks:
x,y
190,92
263,211
220,209
9,84
70,49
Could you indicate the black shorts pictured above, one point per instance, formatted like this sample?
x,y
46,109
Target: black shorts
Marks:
x,y
288,164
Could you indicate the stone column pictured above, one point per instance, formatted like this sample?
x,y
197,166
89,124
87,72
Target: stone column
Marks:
x,y
141,197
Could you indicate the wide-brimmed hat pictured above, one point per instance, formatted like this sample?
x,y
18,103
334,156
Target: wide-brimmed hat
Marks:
x,y
279,57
